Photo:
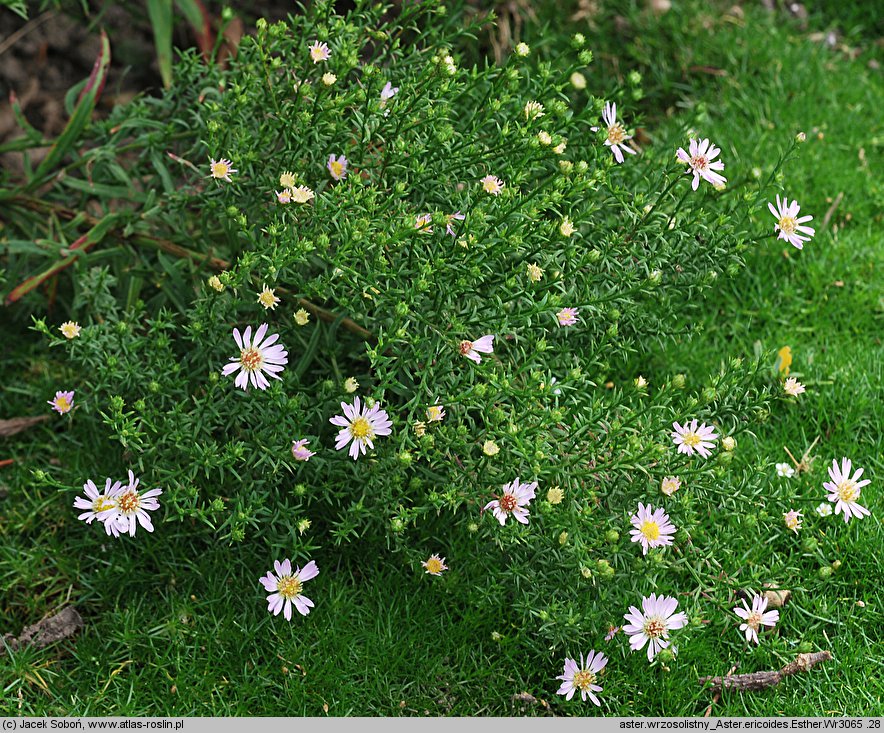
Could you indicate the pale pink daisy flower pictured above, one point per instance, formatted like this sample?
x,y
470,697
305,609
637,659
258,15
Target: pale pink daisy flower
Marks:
x,y
492,184
337,167
567,316
284,196
361,425
792,519
845,489
513,500
133,506
701,157
434,565
756,617
101,506
652,528
472,349
285,588
449,226
691,438
300,451
63,402
789,226
652,625
387,93
670,485
422,223
435,413
582,676
612,632
319,52
221,169
793,387
617,137
257,358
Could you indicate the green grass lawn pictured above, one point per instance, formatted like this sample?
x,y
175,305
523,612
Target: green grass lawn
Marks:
x,y
178,634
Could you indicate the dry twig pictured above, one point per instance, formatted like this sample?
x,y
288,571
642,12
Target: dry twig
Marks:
x,y
763,680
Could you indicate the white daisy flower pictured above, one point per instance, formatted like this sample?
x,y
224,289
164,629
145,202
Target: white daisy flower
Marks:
x,y
583,676
789,226
360,425
256,358
784,470
285,588
653,623
514,500
845,489
793,387
472,349
652,528
102,506
617,137
756,617
691,438
133,506
700,162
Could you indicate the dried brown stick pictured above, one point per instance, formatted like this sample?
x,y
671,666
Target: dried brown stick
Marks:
x,y
835,204
16,424
62,625
717,696
763,680
177,250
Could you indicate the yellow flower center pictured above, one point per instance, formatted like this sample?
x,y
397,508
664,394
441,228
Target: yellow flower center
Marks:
x,y
250,359
129,502
490,185
788,224
70,330
360,428
434,412
289,587
699,162
654,627
62,404
102,503
753,621
616,134
220,169
691,439
434,565
508,502
336,169
267,299
583,679
847,491
650,530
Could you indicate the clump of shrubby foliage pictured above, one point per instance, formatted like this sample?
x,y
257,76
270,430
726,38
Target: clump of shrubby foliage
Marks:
x,y
391,295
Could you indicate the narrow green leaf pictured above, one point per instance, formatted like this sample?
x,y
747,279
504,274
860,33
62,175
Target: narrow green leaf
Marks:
x,y
80,118
160,13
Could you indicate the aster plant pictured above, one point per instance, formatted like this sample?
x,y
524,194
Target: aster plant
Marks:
x,y
445,282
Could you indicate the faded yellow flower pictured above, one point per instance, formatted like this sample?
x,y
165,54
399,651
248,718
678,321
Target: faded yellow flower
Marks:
x,y
302,317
